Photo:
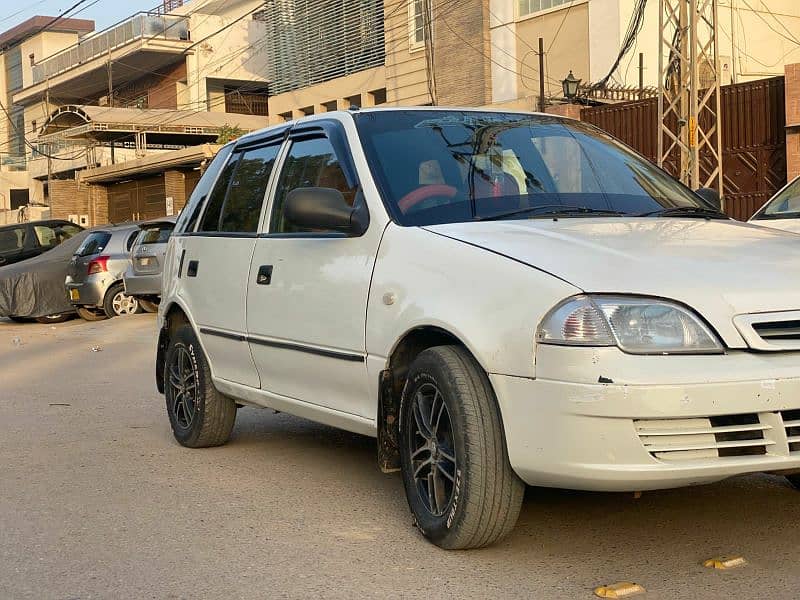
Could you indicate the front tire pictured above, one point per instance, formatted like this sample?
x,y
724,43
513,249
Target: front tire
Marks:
x,y
148,306
200,416
118,304
459,483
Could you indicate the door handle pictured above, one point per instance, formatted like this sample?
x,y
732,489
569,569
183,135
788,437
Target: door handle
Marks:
x,y
191,270
264,276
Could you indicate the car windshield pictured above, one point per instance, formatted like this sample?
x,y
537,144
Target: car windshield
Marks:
x,y
457,166
155,234
94,243
784,205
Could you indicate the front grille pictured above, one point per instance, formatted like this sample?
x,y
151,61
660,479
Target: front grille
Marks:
x,y
791,422
705,437
778,330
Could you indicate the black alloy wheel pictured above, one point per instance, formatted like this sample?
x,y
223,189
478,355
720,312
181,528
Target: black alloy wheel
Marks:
x,y
182,388
430,445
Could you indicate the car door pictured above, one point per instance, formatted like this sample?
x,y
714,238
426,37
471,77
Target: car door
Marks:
x,y
216,260
307,291
15,244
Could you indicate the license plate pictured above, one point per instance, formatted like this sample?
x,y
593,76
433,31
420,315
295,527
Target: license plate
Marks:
x,y
74,294
144,261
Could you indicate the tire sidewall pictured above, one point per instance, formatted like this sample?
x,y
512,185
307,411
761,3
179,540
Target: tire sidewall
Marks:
x,y
185,338
437,528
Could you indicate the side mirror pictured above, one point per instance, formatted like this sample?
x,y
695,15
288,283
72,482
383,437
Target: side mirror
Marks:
x,y
711,196
326,208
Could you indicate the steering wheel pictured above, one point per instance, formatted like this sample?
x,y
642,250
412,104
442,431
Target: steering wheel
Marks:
x,y
414,197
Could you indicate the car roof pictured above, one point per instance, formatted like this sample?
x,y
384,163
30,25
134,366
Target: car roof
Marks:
x,y
40,222
348,114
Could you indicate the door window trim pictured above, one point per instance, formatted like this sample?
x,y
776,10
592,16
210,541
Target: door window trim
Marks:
x,y
334,132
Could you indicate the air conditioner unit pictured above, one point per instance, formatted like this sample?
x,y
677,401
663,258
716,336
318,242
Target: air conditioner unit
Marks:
x,y
73,219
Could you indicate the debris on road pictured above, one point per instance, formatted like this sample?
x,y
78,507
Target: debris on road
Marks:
x,y
97,348
723,563
623,589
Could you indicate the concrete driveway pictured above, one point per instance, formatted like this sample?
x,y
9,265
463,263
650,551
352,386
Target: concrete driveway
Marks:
x,y
98,501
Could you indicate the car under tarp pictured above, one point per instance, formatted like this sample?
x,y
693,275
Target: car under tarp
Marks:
x,y
35,287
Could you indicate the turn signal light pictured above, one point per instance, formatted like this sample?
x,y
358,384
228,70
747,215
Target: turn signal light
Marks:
x,y
98,265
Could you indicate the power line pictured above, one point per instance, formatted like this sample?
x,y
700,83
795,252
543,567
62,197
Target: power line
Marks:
x,y
634,27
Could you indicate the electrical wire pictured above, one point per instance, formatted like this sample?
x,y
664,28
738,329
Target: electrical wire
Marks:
x,y
634,28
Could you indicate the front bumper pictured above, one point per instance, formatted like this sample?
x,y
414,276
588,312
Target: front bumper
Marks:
x,y
575,433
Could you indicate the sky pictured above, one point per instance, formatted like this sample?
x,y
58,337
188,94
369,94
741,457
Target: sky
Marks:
x,y
104,12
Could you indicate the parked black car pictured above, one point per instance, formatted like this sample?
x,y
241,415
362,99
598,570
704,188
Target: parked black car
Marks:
x,y
22,241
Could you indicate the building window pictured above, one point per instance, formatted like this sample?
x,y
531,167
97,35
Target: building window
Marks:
x,y
247,101
527,7
416,23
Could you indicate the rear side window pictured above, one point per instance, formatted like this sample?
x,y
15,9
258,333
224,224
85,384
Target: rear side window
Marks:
x,y
216,198
53,235
94,243
191,212
242,207
12,240
155,234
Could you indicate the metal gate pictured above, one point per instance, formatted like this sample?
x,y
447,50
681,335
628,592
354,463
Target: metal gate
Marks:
x,y
136,200
753,139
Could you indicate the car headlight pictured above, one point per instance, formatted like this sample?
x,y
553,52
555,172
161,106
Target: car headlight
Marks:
x,y
634,324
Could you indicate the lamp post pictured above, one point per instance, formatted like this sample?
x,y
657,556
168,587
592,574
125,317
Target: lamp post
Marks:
x,y
570,86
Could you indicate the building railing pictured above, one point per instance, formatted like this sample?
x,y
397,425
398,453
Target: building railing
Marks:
x,y
139,26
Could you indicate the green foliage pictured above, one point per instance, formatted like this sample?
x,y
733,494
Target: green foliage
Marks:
x,y
228,133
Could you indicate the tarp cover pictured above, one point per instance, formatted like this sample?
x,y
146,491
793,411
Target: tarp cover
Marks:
x,y
35,287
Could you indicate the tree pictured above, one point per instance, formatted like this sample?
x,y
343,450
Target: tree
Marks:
x,y
228,133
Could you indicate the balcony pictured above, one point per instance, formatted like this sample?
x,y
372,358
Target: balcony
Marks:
x,y
142,44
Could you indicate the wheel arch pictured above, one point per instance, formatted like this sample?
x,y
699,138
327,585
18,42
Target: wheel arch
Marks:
x,y
392,381
174,316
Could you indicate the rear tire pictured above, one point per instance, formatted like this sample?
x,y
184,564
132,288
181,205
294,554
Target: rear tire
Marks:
x,y
119,304
87,314
794,480
459,483
200,416
55,318
148,306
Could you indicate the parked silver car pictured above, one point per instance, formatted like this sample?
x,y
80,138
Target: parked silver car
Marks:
x,y
94,279
143,276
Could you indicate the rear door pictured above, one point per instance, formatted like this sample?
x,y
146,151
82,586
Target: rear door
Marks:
x,y
306,319
217,256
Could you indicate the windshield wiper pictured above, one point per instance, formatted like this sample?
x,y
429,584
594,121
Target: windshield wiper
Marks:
x,y
552,210
685,211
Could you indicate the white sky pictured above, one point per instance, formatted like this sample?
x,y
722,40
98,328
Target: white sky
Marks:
x,y
104,12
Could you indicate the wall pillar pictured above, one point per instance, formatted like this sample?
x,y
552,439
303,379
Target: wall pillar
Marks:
x,y
792,93
572,111
175,186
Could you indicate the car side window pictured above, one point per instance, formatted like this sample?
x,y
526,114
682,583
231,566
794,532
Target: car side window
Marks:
x,y
242,208
12,240
191,212
310,163
216,198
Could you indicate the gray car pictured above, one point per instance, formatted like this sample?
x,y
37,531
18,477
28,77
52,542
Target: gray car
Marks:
x,y
143,277
94,279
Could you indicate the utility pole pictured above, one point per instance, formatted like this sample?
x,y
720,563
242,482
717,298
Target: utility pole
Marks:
x,y
110,70
542,103
689,109
641,75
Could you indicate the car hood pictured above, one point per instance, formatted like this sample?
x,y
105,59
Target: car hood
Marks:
x,y
720,268
792,225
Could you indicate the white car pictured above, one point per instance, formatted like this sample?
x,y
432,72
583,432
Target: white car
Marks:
x,y
782,211
499,298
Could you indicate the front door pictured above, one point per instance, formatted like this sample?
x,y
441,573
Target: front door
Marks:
x,y
307,293
216,261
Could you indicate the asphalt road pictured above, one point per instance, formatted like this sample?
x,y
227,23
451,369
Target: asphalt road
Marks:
x,y
98,501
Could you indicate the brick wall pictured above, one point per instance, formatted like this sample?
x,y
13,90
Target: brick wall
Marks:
x,y
461,47
792,91
68,197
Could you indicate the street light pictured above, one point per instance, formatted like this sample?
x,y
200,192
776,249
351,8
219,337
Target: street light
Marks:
x,y
570,86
